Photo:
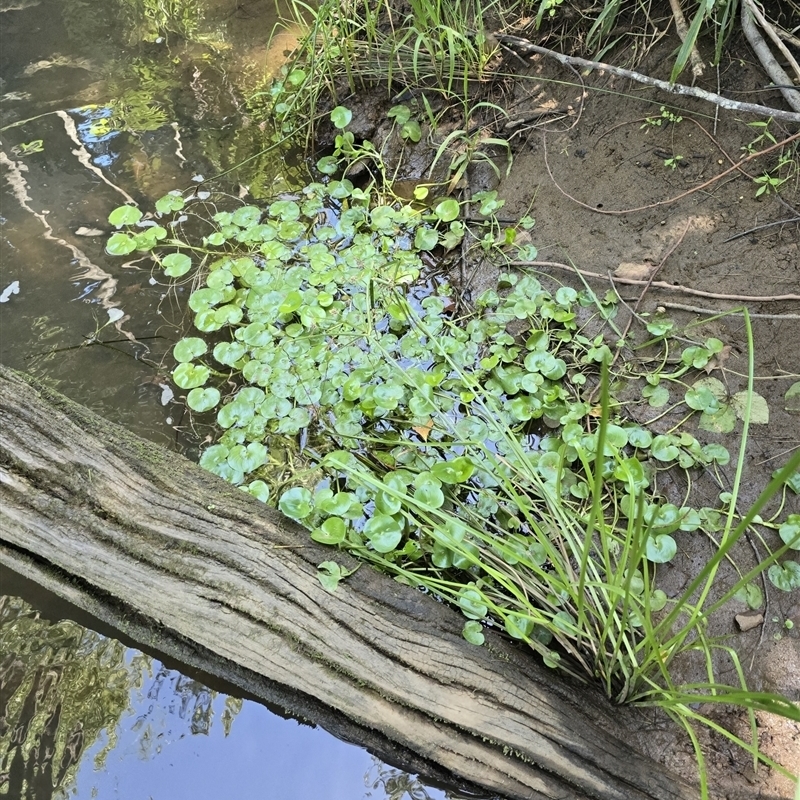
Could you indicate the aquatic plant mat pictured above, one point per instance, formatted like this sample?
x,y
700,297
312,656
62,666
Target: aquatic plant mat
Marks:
x,y
180,560
519,452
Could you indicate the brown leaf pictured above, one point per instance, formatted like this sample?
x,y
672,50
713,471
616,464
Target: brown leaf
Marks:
x,y
718,360
423,431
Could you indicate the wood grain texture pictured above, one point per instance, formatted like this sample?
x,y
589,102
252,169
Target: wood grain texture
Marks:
x,y
167,552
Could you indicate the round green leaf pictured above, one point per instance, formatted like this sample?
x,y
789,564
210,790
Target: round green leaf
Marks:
x,y
296,503
124,215
519,626
387,503
291,302
188,376
429,494
751,594
229,353
458,470
228,314
384,532
700,398
259,490
660,549
631,472
664,449
341,116
176,264
786,576
286,210
473,632
201,400
189,348
472,604
442,556
246,216
657,396
425,239
332,531
247,458
717,453
616,436
169,203
658,599
328,165
339,504
447,210
411,130
120,244
790,531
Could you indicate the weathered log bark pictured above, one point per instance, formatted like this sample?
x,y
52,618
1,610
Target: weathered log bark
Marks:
x,y
179,560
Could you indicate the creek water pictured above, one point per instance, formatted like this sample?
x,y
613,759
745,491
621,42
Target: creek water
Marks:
x,y
105,102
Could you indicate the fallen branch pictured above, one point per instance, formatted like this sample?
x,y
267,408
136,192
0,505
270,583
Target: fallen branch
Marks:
x,y
731,312
777,75
528,47
742,298
790,221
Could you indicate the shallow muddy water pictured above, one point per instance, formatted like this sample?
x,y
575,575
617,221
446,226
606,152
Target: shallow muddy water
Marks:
x,y
98,107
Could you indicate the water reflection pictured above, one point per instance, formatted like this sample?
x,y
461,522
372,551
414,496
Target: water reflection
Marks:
x,y
84,716
125,100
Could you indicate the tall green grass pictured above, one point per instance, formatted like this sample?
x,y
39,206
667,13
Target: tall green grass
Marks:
x,y
439,45
578,587
602,21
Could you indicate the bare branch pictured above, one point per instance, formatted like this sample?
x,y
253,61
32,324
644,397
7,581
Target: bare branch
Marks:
x,y
527,47
775,71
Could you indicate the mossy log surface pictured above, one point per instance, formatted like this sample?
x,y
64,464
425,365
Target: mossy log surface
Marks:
x,y
177,559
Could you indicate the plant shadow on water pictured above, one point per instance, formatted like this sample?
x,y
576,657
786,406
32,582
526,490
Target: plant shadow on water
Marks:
x,y
125,103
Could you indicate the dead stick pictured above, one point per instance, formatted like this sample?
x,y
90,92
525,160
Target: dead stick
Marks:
x,y
677,197
732,312
674,88
770,64
662,284
769,29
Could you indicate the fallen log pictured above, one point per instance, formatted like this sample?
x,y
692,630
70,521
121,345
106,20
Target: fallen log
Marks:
x,y
181,561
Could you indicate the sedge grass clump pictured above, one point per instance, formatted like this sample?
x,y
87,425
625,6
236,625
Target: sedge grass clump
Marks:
x,y
355,394
350,46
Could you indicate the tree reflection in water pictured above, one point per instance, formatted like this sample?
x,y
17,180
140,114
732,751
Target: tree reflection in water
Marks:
x,y
60,686
64,687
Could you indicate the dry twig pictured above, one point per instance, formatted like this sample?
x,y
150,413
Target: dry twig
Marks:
x,y
528,47
698,66
736,166
777,75
673,287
